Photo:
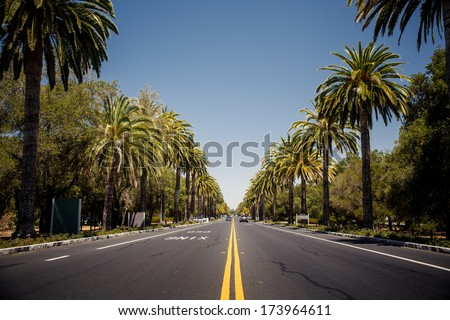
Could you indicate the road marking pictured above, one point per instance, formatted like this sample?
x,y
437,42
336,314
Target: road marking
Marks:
x,y
57,258
364,249
225,294
185,238
226,283
238,288
143,239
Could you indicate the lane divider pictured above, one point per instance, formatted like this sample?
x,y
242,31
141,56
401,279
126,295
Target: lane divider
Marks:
x,y
57,258
232,254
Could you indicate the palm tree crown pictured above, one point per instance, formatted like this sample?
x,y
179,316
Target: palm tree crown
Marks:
x,y
366,83
71,35
389,13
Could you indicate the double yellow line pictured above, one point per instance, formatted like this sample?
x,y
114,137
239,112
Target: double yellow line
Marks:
x,y
226,284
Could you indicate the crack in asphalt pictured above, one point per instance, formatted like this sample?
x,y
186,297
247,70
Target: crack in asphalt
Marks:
x,y
284,269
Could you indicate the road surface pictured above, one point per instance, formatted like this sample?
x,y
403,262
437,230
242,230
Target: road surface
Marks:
x,y
226,260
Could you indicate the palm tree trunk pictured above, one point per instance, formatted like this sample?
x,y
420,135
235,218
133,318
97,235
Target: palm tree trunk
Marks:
x,y
366,178
192,207
291,201
188,185
274,203
199,205
177,196
326,188
303,182
446,5
109,196
33,74
162,219
143,195
262,211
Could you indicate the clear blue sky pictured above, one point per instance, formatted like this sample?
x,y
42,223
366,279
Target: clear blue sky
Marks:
x,y
238,70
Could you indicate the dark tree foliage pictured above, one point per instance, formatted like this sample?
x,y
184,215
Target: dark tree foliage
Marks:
x,y
423,191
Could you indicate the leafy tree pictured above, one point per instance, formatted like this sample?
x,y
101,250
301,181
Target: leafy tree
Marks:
x,y
67,129
420,166
68,34
353,93
11,110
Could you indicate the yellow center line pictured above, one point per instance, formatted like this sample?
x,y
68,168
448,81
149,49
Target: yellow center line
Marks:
x,y
225,295
226,283
238,288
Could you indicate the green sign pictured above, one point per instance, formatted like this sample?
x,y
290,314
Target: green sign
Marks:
x,y
66,216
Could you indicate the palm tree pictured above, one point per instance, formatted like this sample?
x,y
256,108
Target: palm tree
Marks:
x,y
209,192
290,165
124,145
273,179
198,163
69,34
178,138
259,189
319,133
152,107
353,93
433,13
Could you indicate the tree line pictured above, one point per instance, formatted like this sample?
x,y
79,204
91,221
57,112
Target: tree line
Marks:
x,y
409,184
115,153
365,86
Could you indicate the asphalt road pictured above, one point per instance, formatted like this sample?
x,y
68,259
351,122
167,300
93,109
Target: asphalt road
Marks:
x,y
226,260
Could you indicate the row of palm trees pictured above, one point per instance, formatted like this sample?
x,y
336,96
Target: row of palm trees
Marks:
x,y
136,142
72,35
363,87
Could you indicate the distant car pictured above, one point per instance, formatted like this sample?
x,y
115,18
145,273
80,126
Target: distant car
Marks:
x,y
228,218
243,219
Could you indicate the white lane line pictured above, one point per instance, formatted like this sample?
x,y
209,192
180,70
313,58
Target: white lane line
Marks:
x,y
363,249
57,258
146,238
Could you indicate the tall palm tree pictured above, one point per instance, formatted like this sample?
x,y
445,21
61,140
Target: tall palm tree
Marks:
x,y
208,191
319,133
290,165
260,189
353,93
273,179
178,138
152,107
67,34
124,145
388,13
198,162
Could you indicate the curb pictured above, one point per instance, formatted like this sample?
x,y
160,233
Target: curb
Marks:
x,y
47,245
396,243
